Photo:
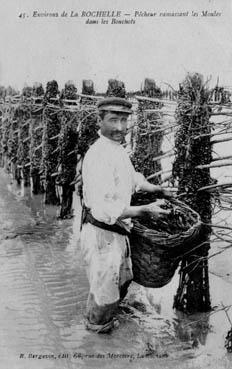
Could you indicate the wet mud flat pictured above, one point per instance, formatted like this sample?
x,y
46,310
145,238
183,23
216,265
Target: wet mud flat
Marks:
x,y
43,289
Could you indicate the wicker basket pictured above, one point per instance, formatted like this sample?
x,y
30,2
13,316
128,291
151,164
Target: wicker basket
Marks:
x,y
156,255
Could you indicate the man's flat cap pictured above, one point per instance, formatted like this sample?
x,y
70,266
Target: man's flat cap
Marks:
x,y
115,104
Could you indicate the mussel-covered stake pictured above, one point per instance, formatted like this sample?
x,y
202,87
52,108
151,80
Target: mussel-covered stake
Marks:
x,y
24,116
50,148
228,341
5,132
35,150
13,142
88,122
147,141
116,88
192,115
67,156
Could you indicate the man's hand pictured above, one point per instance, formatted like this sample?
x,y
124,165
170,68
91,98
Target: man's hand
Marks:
x,y
156,211
167,193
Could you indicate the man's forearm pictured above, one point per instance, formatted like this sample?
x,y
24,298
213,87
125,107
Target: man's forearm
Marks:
x,y
132,212
149,187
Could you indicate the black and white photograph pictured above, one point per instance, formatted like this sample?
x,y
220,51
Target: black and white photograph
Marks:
x,y
116,184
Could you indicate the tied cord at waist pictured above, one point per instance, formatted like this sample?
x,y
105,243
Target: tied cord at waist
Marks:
x,y
117,227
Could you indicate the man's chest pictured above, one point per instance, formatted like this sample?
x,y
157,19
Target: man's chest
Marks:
x,y
122,173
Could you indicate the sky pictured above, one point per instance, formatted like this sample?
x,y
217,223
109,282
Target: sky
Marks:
x,y
39,49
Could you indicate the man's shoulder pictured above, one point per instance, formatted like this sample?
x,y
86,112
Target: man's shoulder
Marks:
x,y
94,149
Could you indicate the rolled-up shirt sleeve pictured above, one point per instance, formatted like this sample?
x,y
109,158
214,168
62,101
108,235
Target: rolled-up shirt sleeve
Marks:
x,y
139,179
100,192
108,209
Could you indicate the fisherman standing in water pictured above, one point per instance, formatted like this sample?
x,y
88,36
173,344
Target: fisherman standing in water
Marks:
x,y
109,180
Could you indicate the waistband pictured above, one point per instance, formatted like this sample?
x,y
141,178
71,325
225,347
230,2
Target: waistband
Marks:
x,y
117,227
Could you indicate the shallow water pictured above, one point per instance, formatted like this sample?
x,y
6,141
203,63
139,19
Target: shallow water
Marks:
x,y
44,288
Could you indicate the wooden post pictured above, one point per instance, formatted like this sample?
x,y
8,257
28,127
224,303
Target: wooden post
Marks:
x,y
116,88
23,116
78,131
67,161
35,151
67,154
5,133
193,115
49,155
13,144
87,128
147,144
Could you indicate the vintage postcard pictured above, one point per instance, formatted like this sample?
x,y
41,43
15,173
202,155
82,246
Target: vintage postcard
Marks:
x,y
102,102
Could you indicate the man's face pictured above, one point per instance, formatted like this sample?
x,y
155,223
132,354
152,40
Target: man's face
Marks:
x,y
114,126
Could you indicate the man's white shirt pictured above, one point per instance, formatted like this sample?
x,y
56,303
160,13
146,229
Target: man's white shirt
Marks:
x,y
109,180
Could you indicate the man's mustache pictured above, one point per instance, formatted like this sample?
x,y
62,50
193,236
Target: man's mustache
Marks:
x,y
120,132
